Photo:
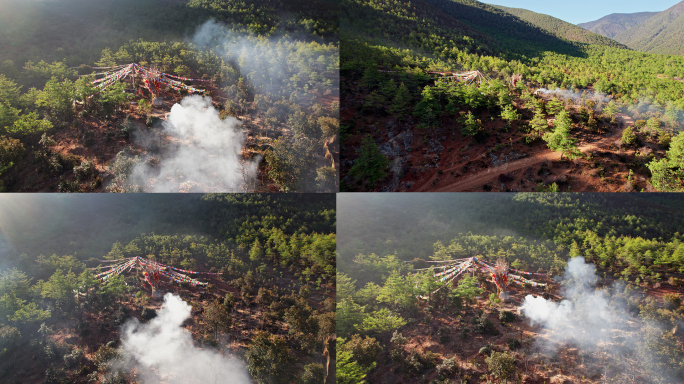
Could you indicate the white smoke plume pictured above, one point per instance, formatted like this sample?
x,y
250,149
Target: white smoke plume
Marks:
x,y
206,153
598,97
163,351
596,322
273,63
586,317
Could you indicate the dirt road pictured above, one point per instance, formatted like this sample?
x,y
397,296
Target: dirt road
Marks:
x,y
481,177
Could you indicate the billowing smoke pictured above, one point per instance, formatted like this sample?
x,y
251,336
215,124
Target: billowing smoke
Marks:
x,y
641,109
596,322
163,351
270,63
577,97
586,317
204,154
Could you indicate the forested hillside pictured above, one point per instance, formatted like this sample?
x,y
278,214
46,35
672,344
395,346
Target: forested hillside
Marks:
x,y
561,28
616,23
269,66
409,312
542,113
265,290
661,33
566,223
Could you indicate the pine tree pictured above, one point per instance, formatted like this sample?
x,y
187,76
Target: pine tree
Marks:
x,y
509,114
400,102
560,140
628,136
667,174
471,126
107,59
539,123
371,163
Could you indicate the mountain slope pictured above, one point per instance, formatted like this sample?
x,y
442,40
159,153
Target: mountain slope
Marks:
x,y
616,23
663,33
561,28
512,33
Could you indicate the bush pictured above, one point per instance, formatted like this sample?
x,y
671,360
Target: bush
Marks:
x,y
628,136
486,350
127,127
53,375
447,368
69,161
9,338
84,170
68,185
444,334
314,373
398,339
89,138
364,351
418,362
148,314
501,365
117,378
74,359
104,355
672,301
513,343
152,121
506,317
484,325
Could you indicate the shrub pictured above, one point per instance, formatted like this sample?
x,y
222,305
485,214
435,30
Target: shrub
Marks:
x,y
126,127
68,185
502,365
672,301
418,362
69,160
628,136
314,373
9,338
398,339
148,314
484,325
444,334
104,355
117,378
152,121
53,375
486,350
74,359
364,351
513,343
447,368
506,317
84,170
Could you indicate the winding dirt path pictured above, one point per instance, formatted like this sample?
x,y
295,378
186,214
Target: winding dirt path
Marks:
x,y
481,177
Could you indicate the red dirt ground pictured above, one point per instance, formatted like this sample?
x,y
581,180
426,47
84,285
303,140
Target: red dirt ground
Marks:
x,y
571,365
102,151
465,165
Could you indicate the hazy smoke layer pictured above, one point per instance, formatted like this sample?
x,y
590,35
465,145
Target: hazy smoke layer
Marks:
x,y
599,98
206,153
586,317
163,351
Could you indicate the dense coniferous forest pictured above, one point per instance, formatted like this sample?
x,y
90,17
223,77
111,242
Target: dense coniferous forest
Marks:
x,y
398,322
268,303
270,67
548,113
